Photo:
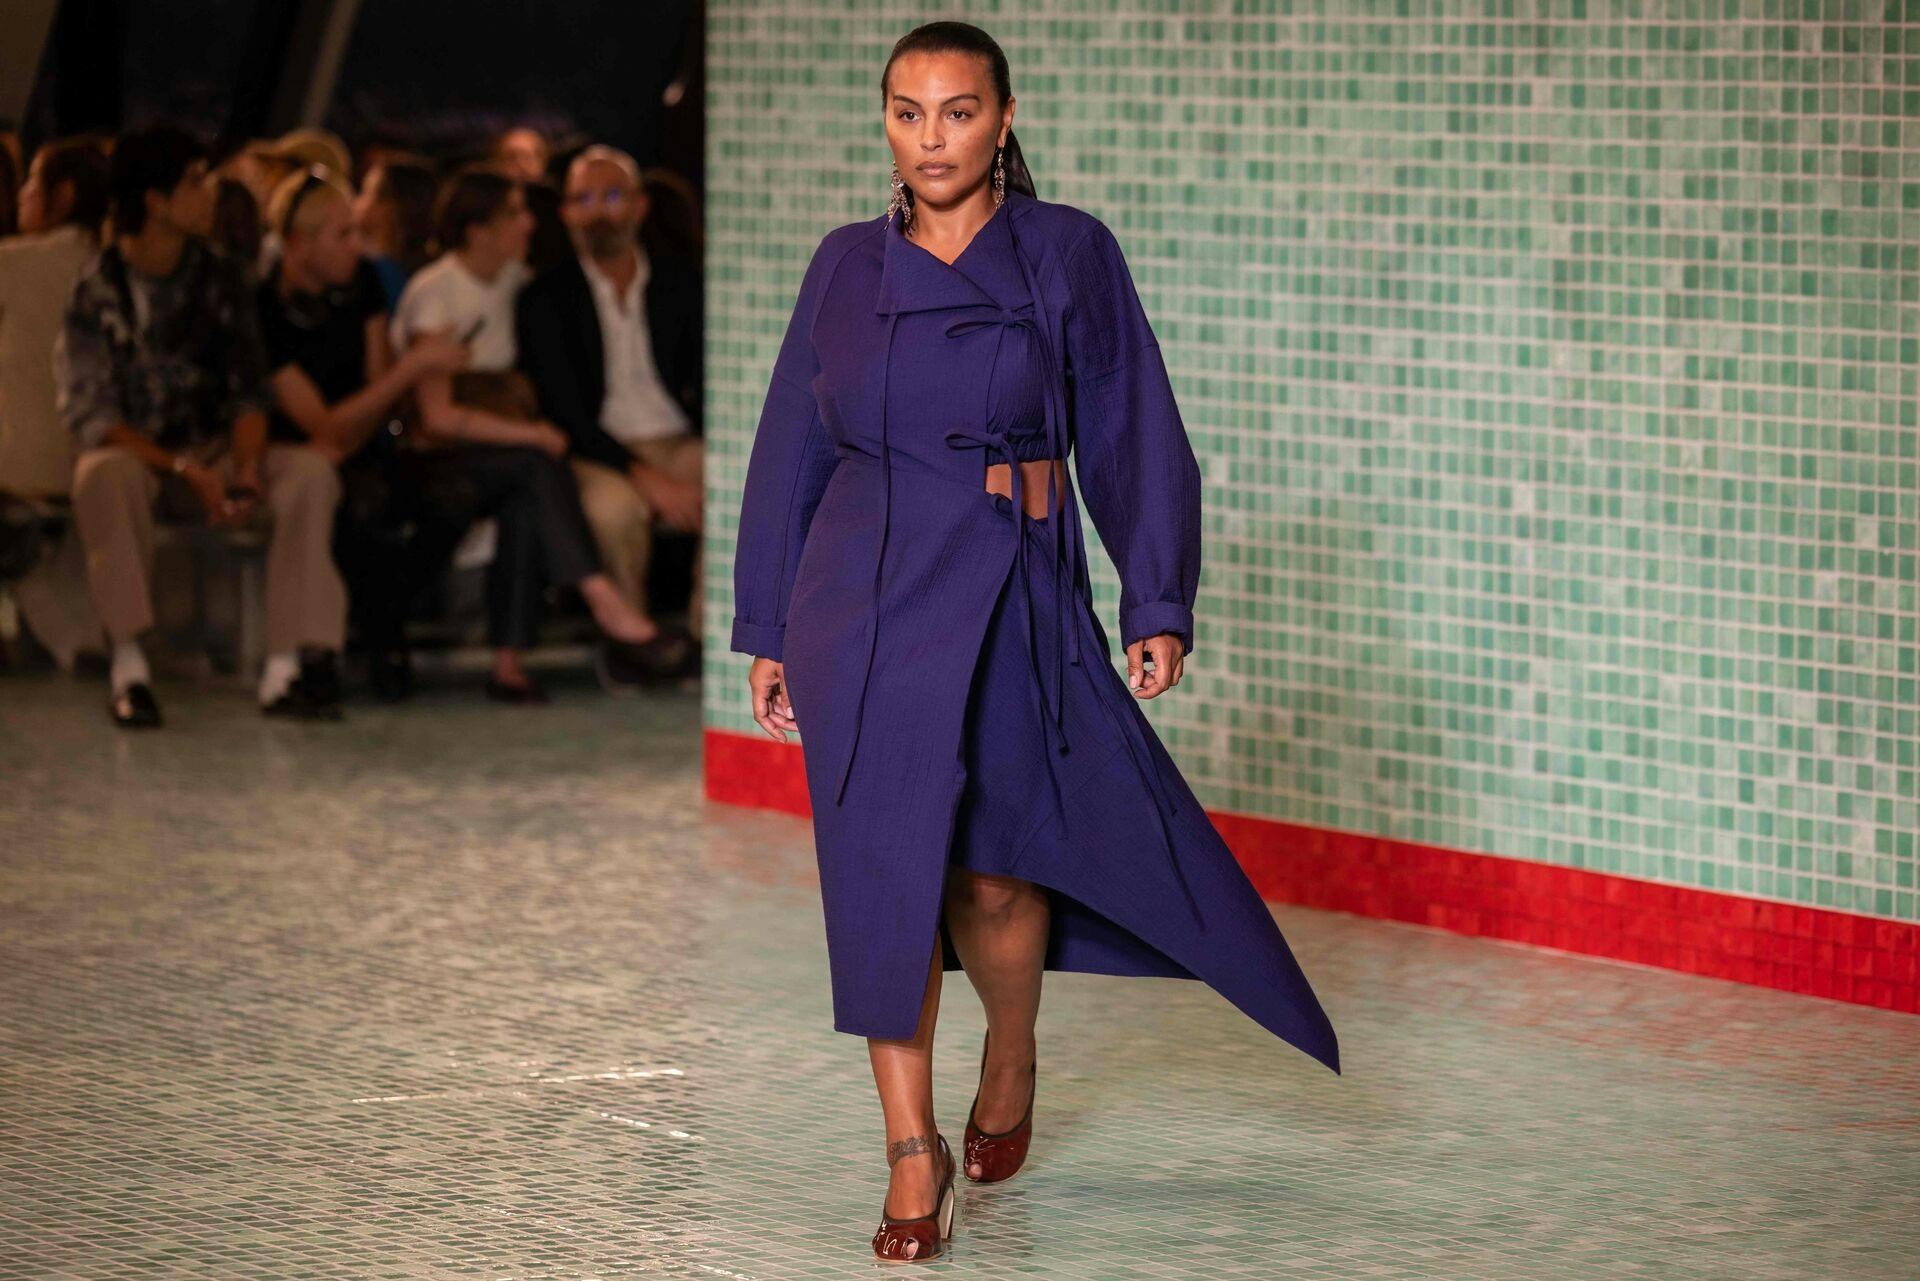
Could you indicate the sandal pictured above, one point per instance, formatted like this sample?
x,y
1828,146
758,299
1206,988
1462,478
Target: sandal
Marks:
x,y
928,1232
1001,1155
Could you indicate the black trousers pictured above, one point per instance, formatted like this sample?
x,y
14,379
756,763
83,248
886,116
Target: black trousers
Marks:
x,y
404,512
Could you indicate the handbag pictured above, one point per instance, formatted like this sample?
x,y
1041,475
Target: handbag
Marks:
x,y
506,392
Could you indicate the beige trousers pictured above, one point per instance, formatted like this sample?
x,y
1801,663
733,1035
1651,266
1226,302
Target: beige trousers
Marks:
x,y
114,494
622,521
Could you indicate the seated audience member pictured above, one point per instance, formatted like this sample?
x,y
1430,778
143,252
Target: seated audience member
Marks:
x,y
394,211
511,455
611,340
162,381
303,148
523,152
62,205
337,385
672,225
273,161
549,244
236,227
255,165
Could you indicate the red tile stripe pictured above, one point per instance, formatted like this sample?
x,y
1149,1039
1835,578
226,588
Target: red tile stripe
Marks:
x,y
1810,950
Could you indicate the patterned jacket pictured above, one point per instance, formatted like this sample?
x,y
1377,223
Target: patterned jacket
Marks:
x,y
182,372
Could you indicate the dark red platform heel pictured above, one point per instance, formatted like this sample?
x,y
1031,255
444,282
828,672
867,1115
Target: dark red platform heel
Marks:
x,y
999,1156
929,1231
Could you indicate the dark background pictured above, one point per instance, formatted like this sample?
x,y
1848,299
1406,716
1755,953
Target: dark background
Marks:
x,y
440,76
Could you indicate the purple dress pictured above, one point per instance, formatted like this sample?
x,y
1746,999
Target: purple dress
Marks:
x,y
955,693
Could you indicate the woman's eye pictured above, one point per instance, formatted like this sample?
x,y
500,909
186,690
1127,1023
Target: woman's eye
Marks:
x,y
962,112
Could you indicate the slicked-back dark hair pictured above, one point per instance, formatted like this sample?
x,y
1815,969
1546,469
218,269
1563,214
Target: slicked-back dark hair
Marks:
x,y
964,37
154,159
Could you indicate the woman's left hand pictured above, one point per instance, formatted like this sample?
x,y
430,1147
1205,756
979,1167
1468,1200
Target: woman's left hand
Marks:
x,y
1167,654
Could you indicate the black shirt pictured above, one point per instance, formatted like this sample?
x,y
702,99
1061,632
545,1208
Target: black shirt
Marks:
x,y
324,333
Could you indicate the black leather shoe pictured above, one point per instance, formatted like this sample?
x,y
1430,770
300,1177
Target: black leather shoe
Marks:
x,y
134,708
667,657
320,673
619,668
301,702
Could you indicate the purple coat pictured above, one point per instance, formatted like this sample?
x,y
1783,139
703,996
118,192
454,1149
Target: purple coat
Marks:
x,y
939,645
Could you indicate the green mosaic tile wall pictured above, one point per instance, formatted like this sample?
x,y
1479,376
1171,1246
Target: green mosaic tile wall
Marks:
x,y
1554,379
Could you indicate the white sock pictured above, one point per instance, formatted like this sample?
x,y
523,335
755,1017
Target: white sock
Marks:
x,y
129,666
278,673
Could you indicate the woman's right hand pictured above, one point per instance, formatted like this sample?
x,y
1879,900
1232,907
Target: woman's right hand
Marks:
x,y
771,707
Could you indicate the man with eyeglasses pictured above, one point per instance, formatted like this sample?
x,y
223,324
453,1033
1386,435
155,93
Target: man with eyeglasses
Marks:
x,y
162,380
611,341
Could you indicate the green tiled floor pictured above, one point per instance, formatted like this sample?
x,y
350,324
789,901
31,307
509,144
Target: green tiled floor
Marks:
x,y
461,991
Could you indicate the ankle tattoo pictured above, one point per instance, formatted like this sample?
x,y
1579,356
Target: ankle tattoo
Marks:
x,y
908,1147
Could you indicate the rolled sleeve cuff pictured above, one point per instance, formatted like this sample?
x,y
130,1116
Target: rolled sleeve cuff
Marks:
x,y
757,639
1150,618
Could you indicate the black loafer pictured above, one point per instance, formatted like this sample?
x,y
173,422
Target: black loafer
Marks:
x,y
134,708
320,673
302,702
622,666
618,669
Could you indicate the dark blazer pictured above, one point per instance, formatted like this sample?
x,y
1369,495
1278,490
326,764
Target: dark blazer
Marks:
x,y
557,329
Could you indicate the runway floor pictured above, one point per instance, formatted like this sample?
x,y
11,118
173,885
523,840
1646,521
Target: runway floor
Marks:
x,y
454,990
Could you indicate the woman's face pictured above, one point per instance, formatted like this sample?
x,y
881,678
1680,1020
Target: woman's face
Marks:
x,y
507,234
942,124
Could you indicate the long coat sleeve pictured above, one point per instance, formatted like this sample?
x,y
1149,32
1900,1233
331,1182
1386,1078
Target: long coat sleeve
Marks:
x,y
1138,475
787,472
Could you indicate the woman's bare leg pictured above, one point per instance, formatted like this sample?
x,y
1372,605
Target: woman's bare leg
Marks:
x,y
506,666
614,613
999,927
903,1072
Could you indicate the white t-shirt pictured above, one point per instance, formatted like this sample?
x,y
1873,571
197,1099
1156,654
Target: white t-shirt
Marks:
x,y
637,406
444,294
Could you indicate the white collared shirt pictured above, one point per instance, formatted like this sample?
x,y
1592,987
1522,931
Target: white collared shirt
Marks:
x,y
638,405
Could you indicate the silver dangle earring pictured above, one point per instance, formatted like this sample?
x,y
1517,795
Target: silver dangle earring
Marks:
x,y
899,203
999,175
